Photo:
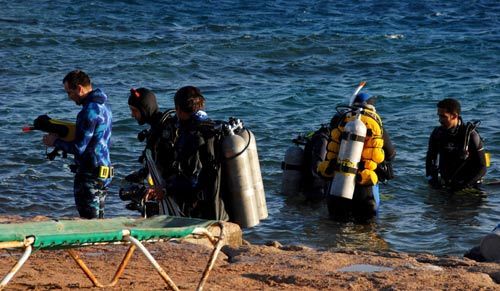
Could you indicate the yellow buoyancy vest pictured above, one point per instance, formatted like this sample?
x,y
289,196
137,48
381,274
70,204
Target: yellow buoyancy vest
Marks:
x,y
372,154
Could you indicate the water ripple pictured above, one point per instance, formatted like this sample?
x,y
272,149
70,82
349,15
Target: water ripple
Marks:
x,y
281,69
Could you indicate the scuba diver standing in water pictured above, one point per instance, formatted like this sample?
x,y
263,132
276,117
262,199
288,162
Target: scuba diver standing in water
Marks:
x,y
183,149
359,156
159,140
92,168
455,157
195,185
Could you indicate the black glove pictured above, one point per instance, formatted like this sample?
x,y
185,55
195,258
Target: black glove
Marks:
x,y
384,171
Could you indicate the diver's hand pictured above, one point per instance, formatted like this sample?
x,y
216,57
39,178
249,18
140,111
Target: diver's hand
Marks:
x,y
325,169
155,193
50,139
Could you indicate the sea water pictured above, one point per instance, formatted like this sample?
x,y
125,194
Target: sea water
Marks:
x,y
281,67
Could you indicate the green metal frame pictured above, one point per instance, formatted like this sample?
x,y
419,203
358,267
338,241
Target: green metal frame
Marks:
x,y
70,234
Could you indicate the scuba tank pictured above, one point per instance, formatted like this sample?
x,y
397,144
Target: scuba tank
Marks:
x,y
292,171
238,179
258,185
351,148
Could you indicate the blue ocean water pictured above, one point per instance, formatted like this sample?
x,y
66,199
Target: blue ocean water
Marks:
x,y
280,66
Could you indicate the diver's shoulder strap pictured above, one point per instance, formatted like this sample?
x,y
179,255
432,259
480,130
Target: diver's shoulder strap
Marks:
x,y
471,127
167,117
374,115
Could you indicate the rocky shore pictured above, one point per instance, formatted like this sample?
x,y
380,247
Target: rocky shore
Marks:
x,y
242,266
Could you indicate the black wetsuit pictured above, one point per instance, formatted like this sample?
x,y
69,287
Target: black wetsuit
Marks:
x,y
314,187
459,166
159,139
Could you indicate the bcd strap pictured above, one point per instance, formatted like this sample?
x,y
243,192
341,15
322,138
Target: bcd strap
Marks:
x,y
105,172
346,167
102,172
285,166
352,136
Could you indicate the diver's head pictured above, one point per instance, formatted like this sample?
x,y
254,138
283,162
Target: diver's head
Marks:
x,y
364,98
142,104
188,101
448,111
77,85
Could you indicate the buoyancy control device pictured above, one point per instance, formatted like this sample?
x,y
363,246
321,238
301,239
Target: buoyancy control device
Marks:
x,y
238,177
300,163
64,129
349,156
237,165
472,126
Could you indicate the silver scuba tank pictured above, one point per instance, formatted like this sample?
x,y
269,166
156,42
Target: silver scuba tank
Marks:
x,y
239,181
258,185
351,148
292,171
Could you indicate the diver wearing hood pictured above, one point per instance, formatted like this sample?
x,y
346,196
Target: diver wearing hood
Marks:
x,y
92,168
159,137
455,156
375,165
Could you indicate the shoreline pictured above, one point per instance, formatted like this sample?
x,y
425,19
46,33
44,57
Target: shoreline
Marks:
x,y
243,266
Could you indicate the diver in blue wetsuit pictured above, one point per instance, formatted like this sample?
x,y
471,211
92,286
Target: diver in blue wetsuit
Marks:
x,y
92,168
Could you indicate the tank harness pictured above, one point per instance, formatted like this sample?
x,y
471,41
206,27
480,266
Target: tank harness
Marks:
x,y
469,128
372,153
232,171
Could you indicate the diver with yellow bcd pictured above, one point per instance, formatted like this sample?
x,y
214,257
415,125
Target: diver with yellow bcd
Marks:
x,y
359,155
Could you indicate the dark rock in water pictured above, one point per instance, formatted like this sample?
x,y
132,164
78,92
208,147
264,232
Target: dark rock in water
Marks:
x,y
475,254
490,246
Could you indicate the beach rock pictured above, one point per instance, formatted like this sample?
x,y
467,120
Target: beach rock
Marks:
x,y
490,246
